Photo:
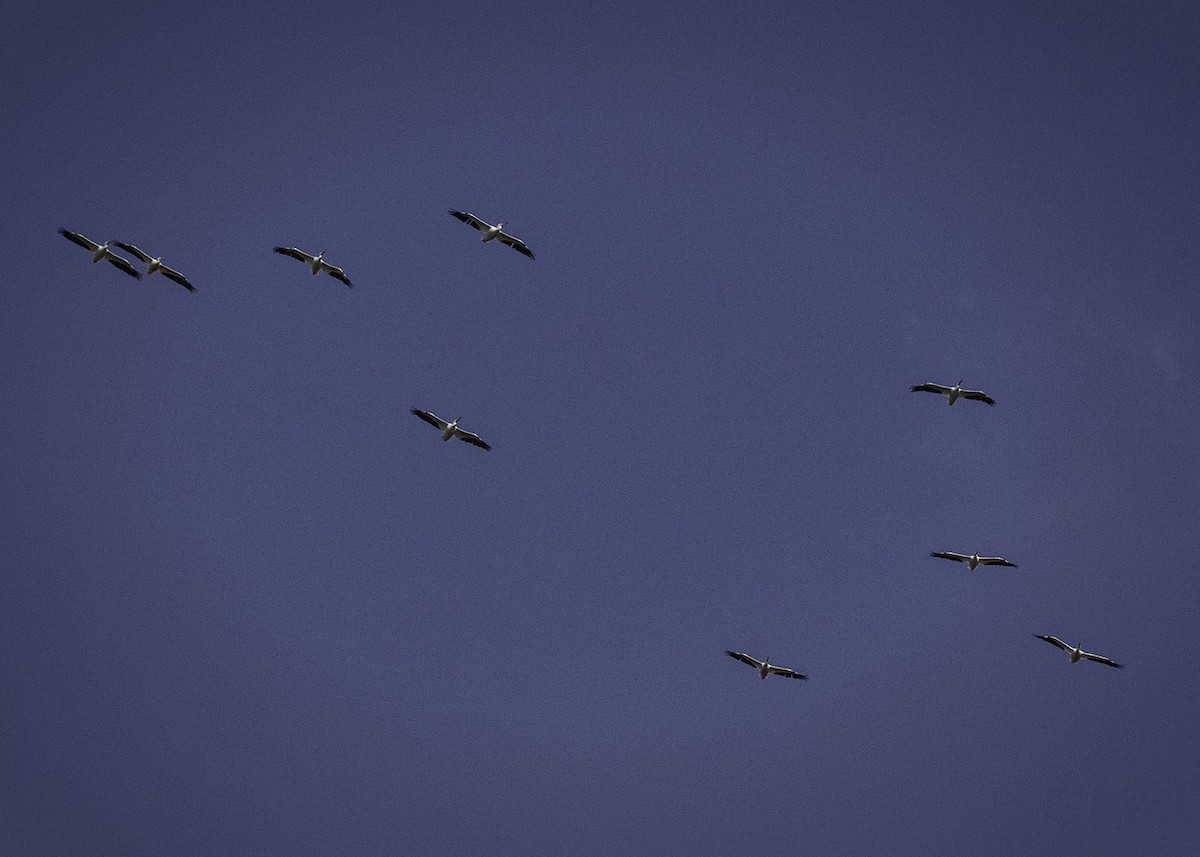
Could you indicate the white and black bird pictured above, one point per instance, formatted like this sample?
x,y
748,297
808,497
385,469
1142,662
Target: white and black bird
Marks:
x,y
953,394
450,429
1077,653
764,668
155,265
973,560
490,232
101,251
317,263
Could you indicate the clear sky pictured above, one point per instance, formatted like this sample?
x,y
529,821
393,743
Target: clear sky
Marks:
x,y
250,605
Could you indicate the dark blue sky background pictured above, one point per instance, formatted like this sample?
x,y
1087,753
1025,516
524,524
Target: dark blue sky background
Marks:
x,y
249,605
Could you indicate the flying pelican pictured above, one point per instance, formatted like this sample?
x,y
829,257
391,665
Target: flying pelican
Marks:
x,y
101,251
153,265
974,559
764,668
953,394
317,263
1077,653
450,430
490,232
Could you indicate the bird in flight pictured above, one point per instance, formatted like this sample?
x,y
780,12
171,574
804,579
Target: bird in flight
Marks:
x,y
953,394
317,263
1077,653
490,232
101,251
450,429
764,668
156,265
973,560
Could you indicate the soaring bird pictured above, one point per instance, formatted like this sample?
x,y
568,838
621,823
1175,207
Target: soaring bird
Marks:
x,y
101,251
764,668
953,394
1077,653
490,232
317,263
156,264
450,430
974,559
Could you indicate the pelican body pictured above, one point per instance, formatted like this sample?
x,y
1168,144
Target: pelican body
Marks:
x,y
765,667
450,430
101,252
1077,653
974,560
490,232
317,263
953,394
155,265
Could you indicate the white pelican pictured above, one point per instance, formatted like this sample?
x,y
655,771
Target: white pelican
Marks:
x,y
953,394
153,265
490,232
450,430
101,251
1077,653
317,263
974,560
765,668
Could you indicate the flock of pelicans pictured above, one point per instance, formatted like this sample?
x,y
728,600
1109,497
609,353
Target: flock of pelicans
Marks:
x,y
973,561
317,263
451,430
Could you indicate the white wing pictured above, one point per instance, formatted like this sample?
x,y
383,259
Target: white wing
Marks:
x,y
125,265
336,273
471,220
931,388
744,658
1055,641
470,437
81,240
172,274
295,254
979,396
787,673
957,557
1100,659
129,248
432,419
515,243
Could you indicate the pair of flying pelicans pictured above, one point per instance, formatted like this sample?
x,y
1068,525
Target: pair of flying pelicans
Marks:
x,y
317,263
451,430
766,668
100,252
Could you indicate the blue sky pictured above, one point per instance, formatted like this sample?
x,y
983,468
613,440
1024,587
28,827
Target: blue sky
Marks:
x,y
250,605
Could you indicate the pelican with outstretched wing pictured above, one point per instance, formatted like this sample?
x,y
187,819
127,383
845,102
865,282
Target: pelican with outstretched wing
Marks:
x,y
973,560
450,429
953,394
490,232
764,667
155,265
1077,653
101,251
317,263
